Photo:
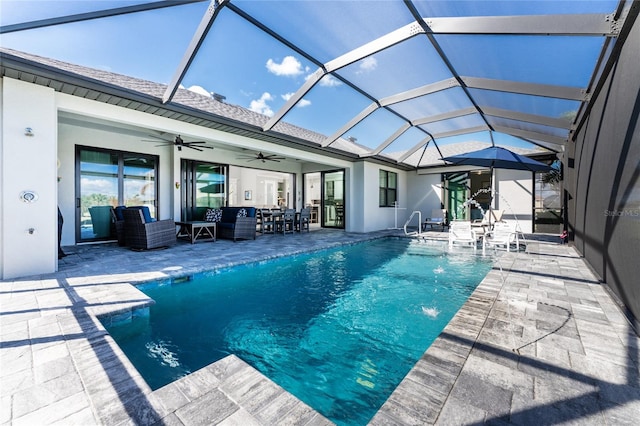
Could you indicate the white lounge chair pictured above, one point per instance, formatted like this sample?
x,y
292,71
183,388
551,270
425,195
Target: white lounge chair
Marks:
x,y
502,234
460,232
496,216
438,218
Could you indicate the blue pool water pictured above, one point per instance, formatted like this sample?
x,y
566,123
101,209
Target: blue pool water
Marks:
x,y
338,328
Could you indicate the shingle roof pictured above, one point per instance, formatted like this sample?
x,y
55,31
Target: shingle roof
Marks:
x,y
188,98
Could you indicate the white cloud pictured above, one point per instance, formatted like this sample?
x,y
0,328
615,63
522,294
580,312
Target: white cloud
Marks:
x,y
301,103
367,65
289,66
330,81
260,105
199,90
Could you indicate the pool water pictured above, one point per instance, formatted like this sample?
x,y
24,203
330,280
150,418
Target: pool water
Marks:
x,y
338,328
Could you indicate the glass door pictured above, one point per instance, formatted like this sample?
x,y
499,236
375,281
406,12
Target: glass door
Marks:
x,y
106,179
333,199
457,194
312,195
203,186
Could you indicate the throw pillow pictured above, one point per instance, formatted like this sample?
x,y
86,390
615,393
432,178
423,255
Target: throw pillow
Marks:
x,y
213,215
242,213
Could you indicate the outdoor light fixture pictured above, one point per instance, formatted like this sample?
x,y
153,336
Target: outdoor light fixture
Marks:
x,y
28,131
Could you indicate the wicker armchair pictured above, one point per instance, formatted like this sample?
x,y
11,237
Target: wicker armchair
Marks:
x,y
144,236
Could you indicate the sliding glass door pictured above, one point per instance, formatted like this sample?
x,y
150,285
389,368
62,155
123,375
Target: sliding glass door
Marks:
x,y
105,179
203,185
333,199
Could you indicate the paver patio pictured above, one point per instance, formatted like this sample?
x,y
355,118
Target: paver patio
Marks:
x,y
540,341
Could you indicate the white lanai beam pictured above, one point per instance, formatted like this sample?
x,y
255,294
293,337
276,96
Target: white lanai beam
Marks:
x,y
445,116
351,124
420,91
201,32
545,90
389,140
416,147
571,25
526,134
381,43
528,118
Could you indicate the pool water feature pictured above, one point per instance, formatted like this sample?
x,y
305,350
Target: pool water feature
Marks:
x,y
339,328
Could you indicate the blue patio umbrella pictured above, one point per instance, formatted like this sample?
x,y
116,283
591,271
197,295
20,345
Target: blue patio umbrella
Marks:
x,y
496,157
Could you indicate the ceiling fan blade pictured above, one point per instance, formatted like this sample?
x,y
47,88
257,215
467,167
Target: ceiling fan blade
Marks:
x,y
194,142
194,147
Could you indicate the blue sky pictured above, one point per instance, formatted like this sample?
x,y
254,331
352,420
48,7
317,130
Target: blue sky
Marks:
x,y
255,71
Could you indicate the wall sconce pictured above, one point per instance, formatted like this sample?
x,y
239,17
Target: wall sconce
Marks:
x,y
28,131
177,185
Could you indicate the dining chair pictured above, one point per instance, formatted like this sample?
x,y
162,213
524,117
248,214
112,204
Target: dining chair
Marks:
x,y
286,224
267,222
304,219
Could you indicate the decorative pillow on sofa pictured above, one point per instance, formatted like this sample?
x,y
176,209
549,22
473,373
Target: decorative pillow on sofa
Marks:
x,y
242,213
213,215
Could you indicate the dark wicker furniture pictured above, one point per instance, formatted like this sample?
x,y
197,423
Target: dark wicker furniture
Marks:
x,y
143,236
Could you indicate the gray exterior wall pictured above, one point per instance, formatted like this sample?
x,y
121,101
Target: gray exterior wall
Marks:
x,y
603,188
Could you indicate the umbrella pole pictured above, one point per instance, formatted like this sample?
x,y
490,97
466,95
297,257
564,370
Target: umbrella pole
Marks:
x,y
490,194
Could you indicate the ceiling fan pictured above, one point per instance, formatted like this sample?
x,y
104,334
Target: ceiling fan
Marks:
x,y
260,156
179,142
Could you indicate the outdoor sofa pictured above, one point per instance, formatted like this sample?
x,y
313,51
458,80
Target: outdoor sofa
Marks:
x,y
233,222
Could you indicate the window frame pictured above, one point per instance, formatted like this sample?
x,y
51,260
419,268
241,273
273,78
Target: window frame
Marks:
x,y
386,190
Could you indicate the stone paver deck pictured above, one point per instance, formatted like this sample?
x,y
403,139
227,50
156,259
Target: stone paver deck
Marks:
x,y
540,341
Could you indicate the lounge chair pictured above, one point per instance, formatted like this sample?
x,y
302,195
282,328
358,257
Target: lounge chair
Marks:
x,y
438,218
141,234
460,232
502,234
496,216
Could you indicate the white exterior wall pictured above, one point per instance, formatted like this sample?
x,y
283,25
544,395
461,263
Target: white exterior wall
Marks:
x,y
424,195
366,214
28,163
514,195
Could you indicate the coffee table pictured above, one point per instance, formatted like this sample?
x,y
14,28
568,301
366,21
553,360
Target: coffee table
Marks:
x,y
197,231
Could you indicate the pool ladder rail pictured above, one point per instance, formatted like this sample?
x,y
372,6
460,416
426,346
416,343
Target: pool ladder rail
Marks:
x,y
419,231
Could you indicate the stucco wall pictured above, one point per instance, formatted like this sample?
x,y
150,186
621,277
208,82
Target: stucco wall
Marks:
x,y
424,194
604,185
29,236
514,195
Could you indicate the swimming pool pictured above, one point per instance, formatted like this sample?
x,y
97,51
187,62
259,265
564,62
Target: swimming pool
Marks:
x,y
338,328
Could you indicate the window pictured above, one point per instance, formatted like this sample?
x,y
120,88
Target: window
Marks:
x,y
106,179
388,188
